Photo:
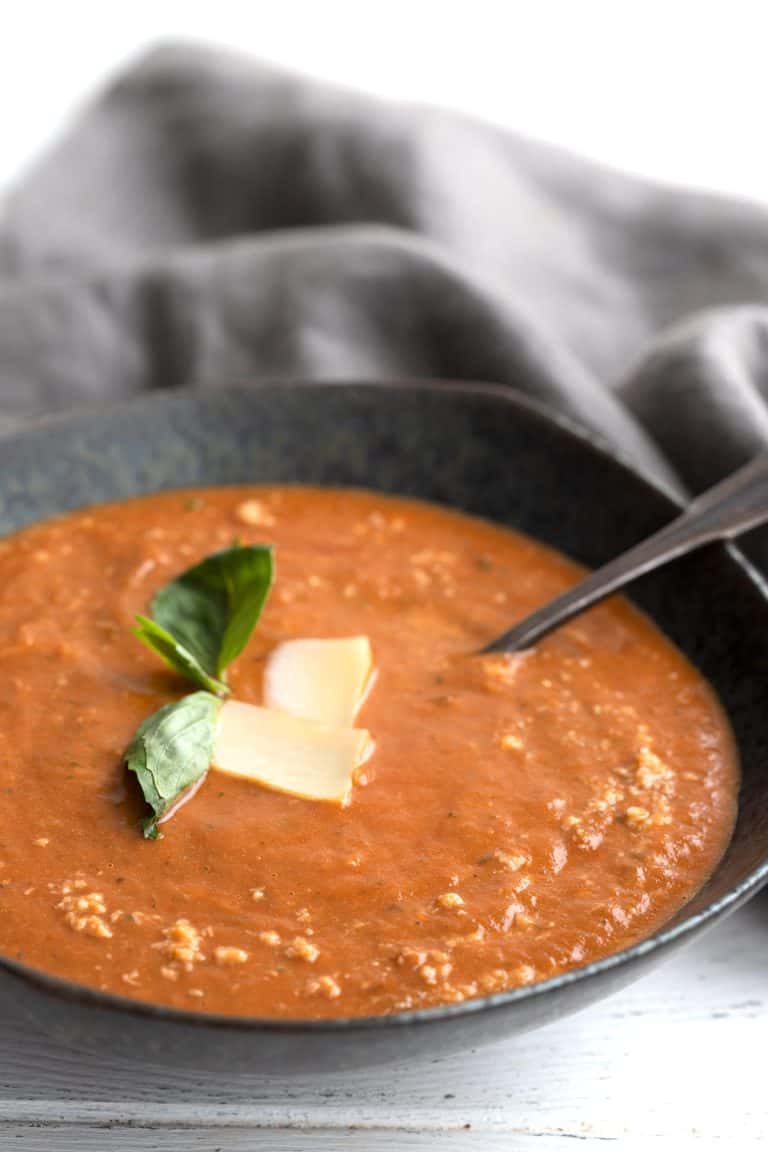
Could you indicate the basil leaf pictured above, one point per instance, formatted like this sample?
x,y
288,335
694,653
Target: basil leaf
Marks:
x,y
172,749
176,655
211,610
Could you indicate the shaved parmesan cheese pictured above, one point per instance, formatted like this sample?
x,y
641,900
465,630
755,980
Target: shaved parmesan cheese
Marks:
x,y
321,680
289,754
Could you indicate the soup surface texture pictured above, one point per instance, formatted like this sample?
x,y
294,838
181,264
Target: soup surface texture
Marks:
x,y
520,816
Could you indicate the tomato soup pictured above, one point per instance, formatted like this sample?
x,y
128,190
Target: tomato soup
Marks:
x,y
520,816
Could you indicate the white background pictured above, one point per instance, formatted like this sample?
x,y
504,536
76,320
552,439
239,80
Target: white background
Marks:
x,y
671,89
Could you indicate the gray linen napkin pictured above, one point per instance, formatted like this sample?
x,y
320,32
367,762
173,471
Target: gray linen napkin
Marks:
x,y
209,220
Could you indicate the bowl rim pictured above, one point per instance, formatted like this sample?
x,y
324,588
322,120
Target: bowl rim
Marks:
x,y
587,439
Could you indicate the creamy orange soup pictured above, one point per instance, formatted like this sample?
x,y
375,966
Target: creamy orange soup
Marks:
x,y
520,816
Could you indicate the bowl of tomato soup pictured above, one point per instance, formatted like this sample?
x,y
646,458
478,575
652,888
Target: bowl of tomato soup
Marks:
x,y
404,847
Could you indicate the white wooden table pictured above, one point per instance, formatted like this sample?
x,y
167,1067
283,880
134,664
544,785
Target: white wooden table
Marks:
x,y
676,1062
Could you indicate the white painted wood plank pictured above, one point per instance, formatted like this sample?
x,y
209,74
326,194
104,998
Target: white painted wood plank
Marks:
x,y
676,1061
250,1140
83,1139
314,1140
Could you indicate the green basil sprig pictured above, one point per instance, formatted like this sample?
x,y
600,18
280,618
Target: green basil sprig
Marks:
x,y
200,622
176,655
204,618
171,751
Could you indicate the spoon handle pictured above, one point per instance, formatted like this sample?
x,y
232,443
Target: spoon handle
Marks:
x,y
736,504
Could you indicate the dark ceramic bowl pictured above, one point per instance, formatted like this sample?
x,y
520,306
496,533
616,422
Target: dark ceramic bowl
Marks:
x,y
486,451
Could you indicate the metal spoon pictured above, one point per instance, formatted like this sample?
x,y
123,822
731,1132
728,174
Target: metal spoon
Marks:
x,y
721,513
